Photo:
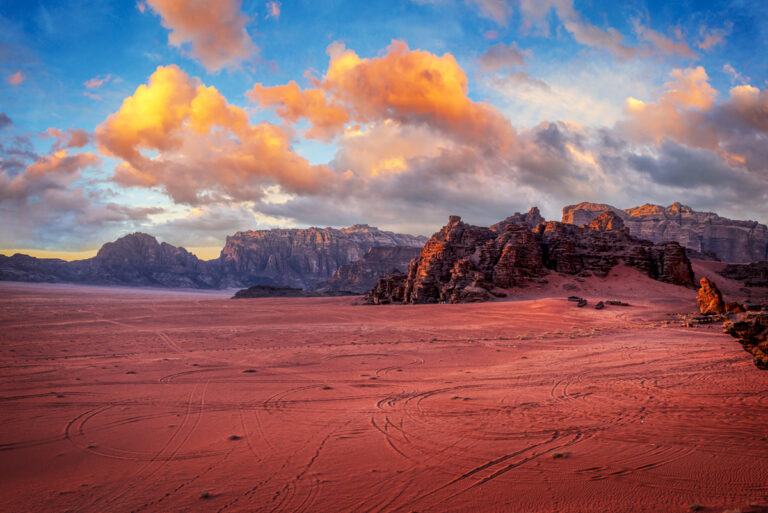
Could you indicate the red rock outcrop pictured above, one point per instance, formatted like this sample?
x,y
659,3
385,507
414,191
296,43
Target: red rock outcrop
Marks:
x,y
751,329
703,232
463,263
709,298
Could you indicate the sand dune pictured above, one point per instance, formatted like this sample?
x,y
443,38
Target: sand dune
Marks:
x,y
136,400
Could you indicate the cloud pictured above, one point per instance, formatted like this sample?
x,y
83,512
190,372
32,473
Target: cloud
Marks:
x,y
496,10
183,137
500,56
97,82
50,206
71,138
327,117
213,32
273,10
5,120
664,44
15,78
713,37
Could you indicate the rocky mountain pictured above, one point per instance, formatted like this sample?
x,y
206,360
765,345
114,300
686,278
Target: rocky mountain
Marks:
x,y
462,263
301,257
701,232
361,275
133,260
298,258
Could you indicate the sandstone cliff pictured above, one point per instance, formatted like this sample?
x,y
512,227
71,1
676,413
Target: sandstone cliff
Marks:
x,y
701,232
361,275
300,257
462,263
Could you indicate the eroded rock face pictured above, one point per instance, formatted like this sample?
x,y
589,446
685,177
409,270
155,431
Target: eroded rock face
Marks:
x,y
301,257
361,275
751,329
704,232
463,263
709,298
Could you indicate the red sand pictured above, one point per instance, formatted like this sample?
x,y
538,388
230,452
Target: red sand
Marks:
x,y
125,400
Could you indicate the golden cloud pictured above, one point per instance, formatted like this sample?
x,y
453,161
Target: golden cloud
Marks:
x,y
408,86
178,134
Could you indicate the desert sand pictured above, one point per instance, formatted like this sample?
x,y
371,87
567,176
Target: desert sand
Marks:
x,y
142,400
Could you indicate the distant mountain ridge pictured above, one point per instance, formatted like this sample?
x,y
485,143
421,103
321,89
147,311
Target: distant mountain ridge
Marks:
x,y
287,257
703,232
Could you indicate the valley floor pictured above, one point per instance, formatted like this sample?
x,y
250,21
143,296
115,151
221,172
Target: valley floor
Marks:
x,y
126,400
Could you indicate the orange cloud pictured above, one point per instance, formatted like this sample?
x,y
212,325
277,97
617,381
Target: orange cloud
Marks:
x,y
213,32
201,147
327,117
678,112
407,86
60,162
15,79
72,138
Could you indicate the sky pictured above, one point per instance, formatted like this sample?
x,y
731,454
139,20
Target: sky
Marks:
x,y
191,120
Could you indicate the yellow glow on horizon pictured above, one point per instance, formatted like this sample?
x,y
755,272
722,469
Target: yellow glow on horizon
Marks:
x,y
202,252
49,253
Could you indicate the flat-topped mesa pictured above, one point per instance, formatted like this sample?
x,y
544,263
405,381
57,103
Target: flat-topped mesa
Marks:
x,y
463,263
301,257
703,233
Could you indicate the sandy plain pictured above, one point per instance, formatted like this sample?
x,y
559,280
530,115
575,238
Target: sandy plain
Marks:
x,y
142,400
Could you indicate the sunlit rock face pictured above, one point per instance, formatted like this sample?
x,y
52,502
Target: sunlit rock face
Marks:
x,y
300,257
704,232
465,263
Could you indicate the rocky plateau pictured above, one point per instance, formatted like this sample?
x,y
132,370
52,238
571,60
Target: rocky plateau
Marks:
x,y
704,234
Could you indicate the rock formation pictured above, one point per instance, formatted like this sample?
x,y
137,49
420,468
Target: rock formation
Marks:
x,y
751,329
532,218
753,275
136,260
703,232
300,257
463,263
709,298
361,275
